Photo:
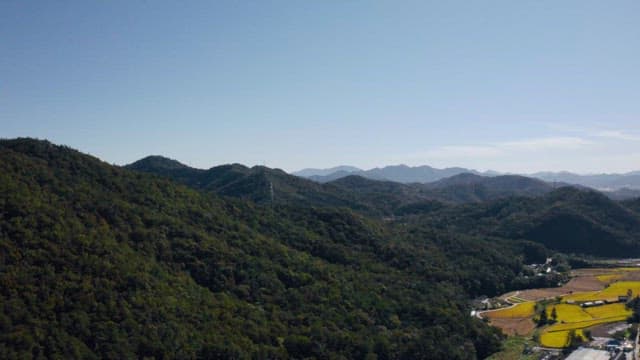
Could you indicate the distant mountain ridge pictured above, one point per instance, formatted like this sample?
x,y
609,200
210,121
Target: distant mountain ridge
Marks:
x,y
259,184
458,189
428,174
630,180
372,196
309,172
398,173
558,215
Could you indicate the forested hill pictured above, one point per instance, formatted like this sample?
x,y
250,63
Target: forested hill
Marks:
x,y
568,219
458,189
98,261
372,197
564,218
258,184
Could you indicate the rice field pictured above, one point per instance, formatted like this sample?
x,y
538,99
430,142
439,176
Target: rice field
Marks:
x,y
611,292
574,317
522,310
556,336
516,300
519,319
607,311
608,278
569,313
617,274
557,339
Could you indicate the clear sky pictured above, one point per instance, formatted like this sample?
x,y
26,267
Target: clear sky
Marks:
x,y
509,85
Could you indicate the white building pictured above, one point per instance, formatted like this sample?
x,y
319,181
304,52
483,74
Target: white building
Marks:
x,y
589,354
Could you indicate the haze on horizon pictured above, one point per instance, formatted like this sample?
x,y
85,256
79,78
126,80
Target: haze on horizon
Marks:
x,y
500,85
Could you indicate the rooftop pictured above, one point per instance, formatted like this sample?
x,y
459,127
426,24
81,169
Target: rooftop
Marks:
x,y
588,354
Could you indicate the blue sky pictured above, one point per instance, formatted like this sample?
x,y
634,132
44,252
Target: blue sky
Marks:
x,y
516,86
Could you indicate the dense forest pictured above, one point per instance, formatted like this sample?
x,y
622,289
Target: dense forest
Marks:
x,y
561,217
99,261
374,197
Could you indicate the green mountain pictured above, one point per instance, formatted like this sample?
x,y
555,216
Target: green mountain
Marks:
x,y
158,163
396,197
374,197
258,184
568,219
98,261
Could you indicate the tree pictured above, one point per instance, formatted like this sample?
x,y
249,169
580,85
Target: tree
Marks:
x,y
573,339
543,320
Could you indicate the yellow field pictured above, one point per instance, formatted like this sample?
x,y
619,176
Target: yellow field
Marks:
x,y
521,310
569,313
606,311
611,292
609,277
615,274
557,339
584,324
573,317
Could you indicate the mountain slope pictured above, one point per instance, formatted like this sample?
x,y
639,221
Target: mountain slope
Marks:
x,y
157,162
259,184
395,197
468,187
567,219
363,194
103,262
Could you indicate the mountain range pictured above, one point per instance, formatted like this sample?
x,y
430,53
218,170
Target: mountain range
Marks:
x,y
160,260
427,174
265,185
561,216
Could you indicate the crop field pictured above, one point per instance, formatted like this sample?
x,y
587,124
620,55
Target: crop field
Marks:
x,y
610,292
556,336
516,300
607,311
608,278
557,339
619,274
587,285
583,281
574,317
569,313
515,320
522,310
584,324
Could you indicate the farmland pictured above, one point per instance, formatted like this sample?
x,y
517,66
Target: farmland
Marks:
x,y
574,317
525,309
611,292
587,285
